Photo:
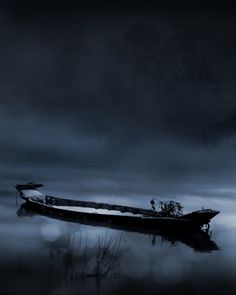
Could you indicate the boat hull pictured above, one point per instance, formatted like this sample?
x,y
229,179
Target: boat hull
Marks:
x,y
163,223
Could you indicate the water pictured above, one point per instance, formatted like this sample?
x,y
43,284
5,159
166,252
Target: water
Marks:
x,y
40,255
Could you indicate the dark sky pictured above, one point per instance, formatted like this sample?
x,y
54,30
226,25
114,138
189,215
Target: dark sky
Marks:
x,y
136,86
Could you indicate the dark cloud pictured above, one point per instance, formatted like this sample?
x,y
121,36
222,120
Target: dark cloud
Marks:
x,y
85,87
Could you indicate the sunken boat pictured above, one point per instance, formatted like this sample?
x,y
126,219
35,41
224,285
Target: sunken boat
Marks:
x,y
169,218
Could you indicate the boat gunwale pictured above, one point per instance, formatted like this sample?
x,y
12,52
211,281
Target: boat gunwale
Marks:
x,y
157,218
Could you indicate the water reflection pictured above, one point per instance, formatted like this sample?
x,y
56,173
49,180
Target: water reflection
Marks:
x,y
199,241
63,266
43,255
79,260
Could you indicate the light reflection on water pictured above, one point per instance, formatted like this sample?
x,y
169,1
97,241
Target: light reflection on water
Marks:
x,y
49,251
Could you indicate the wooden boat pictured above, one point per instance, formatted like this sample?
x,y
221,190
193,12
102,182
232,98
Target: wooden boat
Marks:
x,y
117,215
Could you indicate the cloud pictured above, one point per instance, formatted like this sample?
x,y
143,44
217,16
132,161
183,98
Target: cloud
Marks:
x,y
107,93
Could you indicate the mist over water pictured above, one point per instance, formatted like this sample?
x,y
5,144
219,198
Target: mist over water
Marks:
x,y
48,253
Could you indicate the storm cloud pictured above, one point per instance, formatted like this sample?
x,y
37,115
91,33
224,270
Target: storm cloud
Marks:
x,y
117,87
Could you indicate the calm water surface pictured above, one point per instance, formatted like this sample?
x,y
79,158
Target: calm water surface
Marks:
x,y
40,255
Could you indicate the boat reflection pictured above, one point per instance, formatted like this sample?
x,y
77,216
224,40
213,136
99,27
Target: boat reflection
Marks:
x,y
199,241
